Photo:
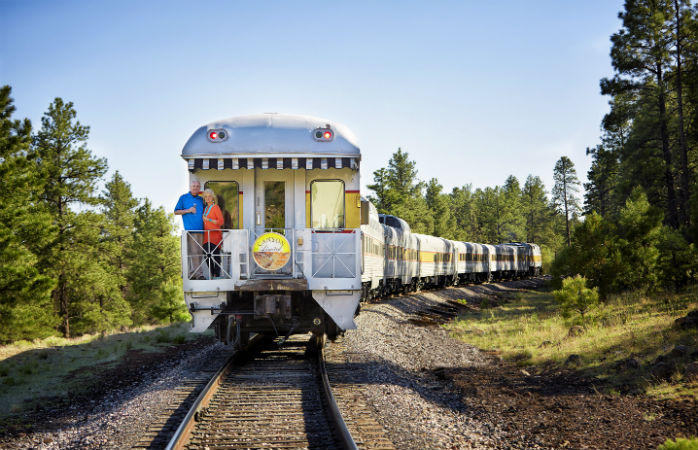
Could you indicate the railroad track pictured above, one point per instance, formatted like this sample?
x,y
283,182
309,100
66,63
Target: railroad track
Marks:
x,y
273,397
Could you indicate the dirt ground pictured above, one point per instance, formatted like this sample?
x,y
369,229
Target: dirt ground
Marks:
x,y
497,403
561,409
109,388
565,411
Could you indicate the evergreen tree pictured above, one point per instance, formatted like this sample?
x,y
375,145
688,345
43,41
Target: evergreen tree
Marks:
x,y
25,302
682,13
514,220
69,173
154,276
594,254
380,187
440,206
402,194
600,191
639,226
464,213
534,206
119,212
641,55
490,212
566,185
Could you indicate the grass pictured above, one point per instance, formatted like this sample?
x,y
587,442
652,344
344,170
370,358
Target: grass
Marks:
x,y
530,332
57,367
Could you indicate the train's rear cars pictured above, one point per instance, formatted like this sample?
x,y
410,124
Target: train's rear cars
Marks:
x,y
291,251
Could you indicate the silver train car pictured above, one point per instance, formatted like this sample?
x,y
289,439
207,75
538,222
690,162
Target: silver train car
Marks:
x,y
290,258
299,247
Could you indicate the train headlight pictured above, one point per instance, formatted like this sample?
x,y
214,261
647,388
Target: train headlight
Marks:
x,y
323,134
217,135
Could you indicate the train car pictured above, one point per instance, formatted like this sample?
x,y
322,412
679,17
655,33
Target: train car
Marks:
x,y
528,259
373,245
506,261
290,256
401,247
461,265
535,260
437,265
477,262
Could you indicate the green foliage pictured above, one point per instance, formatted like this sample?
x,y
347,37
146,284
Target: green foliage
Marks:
x,y
490,215
65,265
637,252
155,292
639,228
680,444
650,133
69,173
566,185
535,210
593,253
575,296
24,224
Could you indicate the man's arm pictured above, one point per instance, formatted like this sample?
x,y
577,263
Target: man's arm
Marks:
x,y
180,211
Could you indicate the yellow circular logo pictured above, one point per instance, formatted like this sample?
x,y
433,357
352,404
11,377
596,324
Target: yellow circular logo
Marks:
x,y
271,251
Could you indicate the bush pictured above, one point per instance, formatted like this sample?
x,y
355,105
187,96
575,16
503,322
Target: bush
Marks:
x,y
575,296
680,444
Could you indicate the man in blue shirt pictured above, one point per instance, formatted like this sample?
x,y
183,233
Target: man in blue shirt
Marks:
x,y
191,207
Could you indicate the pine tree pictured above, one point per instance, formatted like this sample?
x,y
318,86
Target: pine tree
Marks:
x,y
566,185
490,213
154,276
600,192
534,206
463,207
25,302
514,221
641,55
69,174
682,13
380,187
402,194
440,208
120,211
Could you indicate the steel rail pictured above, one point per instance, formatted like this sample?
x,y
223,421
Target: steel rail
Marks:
x,y
346,440
184,431
181,436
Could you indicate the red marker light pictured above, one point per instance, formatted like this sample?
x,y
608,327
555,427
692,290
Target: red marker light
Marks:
x,y
213,135
327,134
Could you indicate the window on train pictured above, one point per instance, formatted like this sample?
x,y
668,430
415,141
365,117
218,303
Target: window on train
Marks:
x,y
275,204
393,222
327,204
227,197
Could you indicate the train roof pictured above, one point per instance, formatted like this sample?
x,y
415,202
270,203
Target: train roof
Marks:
x,y
271,134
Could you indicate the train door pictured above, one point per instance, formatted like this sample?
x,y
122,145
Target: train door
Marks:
x,y
273,201
272,254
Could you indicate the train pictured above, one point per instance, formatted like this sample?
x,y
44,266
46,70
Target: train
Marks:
x,y
300,248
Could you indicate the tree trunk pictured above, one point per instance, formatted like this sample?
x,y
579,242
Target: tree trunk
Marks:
x,y
567,215
672,220
684,216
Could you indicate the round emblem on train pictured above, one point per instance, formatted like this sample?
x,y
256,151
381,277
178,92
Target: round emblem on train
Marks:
x,y
271,251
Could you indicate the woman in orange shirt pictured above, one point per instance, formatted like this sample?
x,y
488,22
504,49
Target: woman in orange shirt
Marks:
x,y
213,221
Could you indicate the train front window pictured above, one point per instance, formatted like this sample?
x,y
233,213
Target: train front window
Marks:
x,y
275,204
327,204
227,196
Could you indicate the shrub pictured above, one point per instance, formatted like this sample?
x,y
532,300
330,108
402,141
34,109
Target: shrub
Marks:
x,y
575,296
680,444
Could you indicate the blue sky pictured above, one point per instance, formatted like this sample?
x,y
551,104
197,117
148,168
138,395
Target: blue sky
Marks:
x,y
474,91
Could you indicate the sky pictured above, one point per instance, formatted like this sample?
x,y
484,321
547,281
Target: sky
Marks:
x,y
473,91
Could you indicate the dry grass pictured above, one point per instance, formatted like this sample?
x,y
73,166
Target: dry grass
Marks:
x,y
530,332
57,367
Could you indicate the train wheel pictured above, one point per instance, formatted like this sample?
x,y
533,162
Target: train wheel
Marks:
x,y
234,336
